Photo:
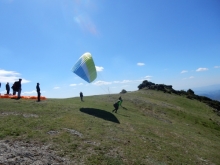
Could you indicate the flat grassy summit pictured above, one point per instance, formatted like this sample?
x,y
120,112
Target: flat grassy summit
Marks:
x,y
153,128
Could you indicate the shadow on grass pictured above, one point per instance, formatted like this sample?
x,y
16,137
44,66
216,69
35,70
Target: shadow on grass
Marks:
x,y
100,114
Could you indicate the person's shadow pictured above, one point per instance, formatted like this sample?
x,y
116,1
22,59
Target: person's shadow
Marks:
x,y
100,114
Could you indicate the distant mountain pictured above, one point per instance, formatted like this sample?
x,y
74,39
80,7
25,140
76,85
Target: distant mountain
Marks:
x,y
214,95
212,91
208,88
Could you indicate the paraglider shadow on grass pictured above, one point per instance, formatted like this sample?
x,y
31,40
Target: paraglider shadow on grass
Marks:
x,y
100,114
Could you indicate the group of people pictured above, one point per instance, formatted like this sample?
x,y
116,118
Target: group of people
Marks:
x,y
16,87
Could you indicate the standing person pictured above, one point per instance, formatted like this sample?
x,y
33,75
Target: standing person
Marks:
x,y
81,96
117,104
38,92
19,88
14,87
7,86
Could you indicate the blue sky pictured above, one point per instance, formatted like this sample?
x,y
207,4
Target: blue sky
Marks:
x,y
173,42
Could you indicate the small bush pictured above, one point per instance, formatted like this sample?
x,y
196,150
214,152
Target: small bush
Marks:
x,y
123,91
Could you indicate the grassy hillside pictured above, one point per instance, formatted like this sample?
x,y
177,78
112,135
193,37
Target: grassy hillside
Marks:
x,y
155,128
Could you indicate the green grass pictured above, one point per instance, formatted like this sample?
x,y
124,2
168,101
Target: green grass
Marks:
x,y
156,128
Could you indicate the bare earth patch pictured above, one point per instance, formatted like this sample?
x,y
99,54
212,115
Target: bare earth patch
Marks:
x,y
16,114
23,153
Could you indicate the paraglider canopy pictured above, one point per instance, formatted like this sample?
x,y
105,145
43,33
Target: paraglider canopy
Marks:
x,y
85,68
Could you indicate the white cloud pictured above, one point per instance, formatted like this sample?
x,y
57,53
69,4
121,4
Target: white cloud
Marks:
x,y
216,67
73,85
11,77
99,83
148,77
128,81
56,88
184,71
140,64
125,81
122,82
5,72
201,69
99,68
31,92
191,77
116,82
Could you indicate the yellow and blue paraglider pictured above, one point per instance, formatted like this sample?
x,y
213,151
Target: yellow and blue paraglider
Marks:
x,y
85,68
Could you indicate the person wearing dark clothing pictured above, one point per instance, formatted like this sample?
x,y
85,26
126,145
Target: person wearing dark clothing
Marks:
x,y
81,96
38,92
19,89
117,104
16,87
7,88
